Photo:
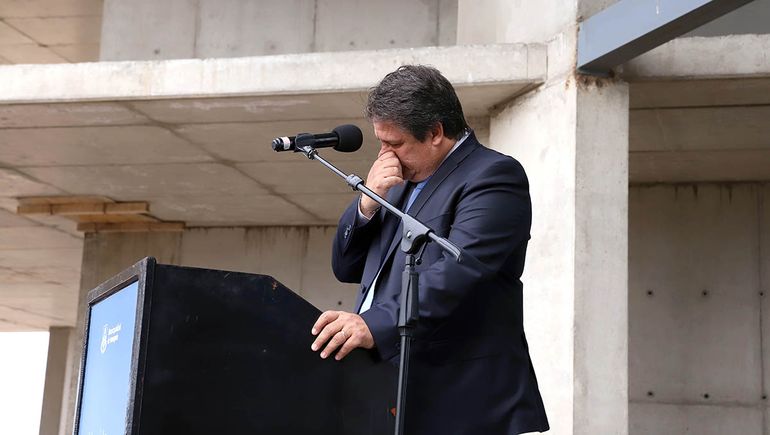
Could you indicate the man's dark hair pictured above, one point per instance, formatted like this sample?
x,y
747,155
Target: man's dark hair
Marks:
x,y
415,98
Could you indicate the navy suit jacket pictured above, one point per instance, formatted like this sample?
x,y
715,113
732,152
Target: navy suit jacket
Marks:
x,y
471,372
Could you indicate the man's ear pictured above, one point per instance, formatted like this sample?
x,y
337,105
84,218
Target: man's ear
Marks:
x,y
437,134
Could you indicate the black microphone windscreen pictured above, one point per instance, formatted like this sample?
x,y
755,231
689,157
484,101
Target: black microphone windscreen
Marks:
x,y
350,136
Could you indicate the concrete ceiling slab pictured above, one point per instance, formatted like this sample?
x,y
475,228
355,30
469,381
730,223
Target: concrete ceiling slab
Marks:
x,y
16,184
29,54
50,265
38,306
480,100
60,30
47,8
68,115
8,219
36,238
78,52
8,204
303,176
138,182
699,93
10,36
66,226
728,56
698,166
702,128
253,109
95,146
328,206
230,210
250,142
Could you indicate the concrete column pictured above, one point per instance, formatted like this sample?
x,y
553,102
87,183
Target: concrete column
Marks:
x,y
601,259
56,373
571,135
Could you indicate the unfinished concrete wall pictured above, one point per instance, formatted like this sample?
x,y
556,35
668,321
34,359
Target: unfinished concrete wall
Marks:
x,y
490,21
698,309
173,29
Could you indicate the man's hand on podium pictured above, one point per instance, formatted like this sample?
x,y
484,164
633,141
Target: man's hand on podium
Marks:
x,y
340,328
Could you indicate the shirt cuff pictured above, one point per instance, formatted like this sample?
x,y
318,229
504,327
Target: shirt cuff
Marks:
x,y
361,218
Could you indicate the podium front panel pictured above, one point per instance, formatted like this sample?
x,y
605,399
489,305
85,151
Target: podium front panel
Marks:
x,y
107,371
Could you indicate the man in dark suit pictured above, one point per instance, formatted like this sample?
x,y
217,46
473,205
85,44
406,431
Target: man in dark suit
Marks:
x,y
471,372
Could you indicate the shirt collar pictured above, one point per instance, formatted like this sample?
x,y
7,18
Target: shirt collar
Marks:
x,y
466,133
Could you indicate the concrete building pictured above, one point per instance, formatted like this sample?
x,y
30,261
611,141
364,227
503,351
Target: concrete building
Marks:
x,y
131,128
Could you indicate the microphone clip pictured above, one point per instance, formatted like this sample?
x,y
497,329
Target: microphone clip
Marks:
x,y
303,140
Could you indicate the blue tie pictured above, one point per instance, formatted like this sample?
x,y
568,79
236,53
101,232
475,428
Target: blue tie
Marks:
x,y
415,192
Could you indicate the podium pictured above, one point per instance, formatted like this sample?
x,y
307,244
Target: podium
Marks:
x,y
179,350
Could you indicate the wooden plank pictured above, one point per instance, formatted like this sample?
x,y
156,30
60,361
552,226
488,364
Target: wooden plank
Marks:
x,y
40,208
133,227
75,209
87,208
127,208
114,218
64,199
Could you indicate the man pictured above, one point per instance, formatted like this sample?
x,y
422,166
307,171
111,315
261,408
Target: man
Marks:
x,y
471,372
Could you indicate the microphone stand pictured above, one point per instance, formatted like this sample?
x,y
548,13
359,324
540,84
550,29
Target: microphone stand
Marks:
x,y
415,236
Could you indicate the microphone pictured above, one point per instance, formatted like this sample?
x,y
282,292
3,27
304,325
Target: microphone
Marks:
x,y
345,138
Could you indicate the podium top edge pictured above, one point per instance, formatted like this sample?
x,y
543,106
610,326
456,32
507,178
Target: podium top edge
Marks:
x,y
139,271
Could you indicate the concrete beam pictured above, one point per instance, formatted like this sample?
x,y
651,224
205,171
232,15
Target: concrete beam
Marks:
x,y
266,75
629,28
733,56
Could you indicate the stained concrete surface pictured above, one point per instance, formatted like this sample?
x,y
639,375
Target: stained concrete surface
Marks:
x,y
698,321
176,29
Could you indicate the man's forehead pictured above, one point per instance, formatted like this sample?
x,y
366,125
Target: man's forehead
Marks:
x,y
385,130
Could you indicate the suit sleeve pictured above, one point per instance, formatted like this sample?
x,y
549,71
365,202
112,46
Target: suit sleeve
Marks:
x,y
351,243
492,218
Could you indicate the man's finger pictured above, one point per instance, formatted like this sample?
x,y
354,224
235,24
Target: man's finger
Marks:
x,y
346,348
338,340
326,333
324,319
390,161
392,181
